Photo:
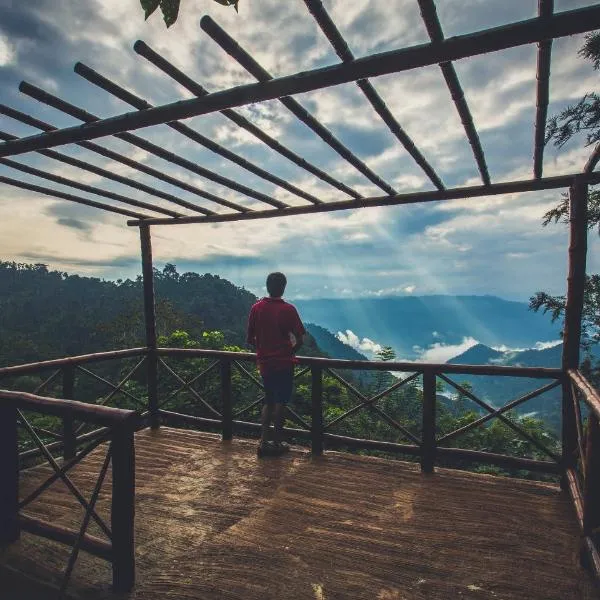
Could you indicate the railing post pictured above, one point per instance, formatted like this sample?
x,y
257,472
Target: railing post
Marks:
x,y
123,508
68,393
569,430
316,429
150,322
578,221
226,399
9,473
591,494
428,443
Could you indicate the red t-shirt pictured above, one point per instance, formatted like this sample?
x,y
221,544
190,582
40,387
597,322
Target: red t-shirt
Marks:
x,y
270,324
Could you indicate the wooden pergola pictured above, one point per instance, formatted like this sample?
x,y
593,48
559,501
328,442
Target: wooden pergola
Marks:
x,y
440,51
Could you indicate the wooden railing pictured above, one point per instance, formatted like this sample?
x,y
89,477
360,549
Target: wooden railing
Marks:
x,y
116,427
583,468
220,408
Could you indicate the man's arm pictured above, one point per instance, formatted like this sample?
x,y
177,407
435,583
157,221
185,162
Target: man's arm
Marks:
x,y
251,333
297,330
298,341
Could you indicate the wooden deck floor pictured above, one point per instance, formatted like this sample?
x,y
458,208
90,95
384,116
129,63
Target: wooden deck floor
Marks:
x,y
213,522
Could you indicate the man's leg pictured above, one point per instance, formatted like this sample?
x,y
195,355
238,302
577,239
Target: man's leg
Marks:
x,y
279,417
265,421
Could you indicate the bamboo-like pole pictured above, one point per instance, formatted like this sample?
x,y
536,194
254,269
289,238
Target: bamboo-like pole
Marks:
x,y
221,37
509,187
545,10
316,428
9,473
86,188
514,34
71,198
89,119
182,79
126,96
68,393
150,323
125,160
339,44
428,443
436,35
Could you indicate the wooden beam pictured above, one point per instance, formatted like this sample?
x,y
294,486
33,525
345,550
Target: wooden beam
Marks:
x,y
592,161
150,324
590,395
339,44
510,187
71,198
9,473
316,427
545,10
90,189
101,415
428,429
69,160
182,79
78,113
436,35
126,96
494,39
578,221
230,46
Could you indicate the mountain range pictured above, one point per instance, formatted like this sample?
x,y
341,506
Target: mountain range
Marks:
x,y
411,323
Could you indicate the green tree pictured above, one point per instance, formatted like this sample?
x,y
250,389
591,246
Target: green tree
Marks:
x,y
170,8
580,118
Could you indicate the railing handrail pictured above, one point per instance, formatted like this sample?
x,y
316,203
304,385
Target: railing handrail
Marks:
x,y
97,414
589,394
367,365
71,360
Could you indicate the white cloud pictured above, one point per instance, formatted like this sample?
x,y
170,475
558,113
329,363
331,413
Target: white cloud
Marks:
x,y
7,52
536,346
362,345
441,353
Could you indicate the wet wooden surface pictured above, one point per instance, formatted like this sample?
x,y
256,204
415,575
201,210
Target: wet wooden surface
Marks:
x,y
214,522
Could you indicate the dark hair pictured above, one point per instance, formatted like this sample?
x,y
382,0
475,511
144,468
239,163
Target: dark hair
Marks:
x,y
276,283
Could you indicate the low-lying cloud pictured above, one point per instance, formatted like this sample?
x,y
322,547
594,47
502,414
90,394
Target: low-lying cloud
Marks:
x,y
440,353
354,341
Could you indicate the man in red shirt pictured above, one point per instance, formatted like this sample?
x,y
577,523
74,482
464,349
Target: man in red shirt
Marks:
x,y
276,331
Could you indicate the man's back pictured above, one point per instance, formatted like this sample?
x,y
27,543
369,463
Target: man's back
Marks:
x,y
270,324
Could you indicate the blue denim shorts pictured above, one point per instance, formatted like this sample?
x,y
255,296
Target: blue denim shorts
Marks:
x,y
278,386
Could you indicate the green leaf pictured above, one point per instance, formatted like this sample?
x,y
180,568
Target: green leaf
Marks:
x,y
170,10
149,6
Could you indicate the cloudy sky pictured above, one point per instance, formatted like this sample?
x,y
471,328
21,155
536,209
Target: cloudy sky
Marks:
x,y
479,246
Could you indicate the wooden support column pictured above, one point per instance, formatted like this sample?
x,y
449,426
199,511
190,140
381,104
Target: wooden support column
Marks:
x,y
123,508
428,443
68,393
9,473
317,411
578,222
591,493
150,322
226,399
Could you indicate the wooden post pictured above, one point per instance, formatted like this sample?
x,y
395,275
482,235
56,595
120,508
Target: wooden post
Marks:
x,y
317,411
591,494
150,321
9,473
578,221
68,393
226,400
428,449
123,508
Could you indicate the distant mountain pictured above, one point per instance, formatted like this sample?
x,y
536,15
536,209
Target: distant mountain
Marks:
x,y
329,344
407,323
500,390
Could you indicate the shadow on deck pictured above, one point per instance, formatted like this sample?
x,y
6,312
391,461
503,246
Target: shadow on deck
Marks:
x,y
212,521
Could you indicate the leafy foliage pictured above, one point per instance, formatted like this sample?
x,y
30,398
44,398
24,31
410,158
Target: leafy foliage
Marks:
x,y
170,8
585,115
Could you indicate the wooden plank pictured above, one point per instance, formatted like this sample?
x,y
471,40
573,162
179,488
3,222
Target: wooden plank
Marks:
x,y
316,428
590,395
226,400
473,44
510,187
68,423
9,473
366,365
576,494
101,415
591,490
578,199
70,360
123,509
58,533
182,79
428,443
